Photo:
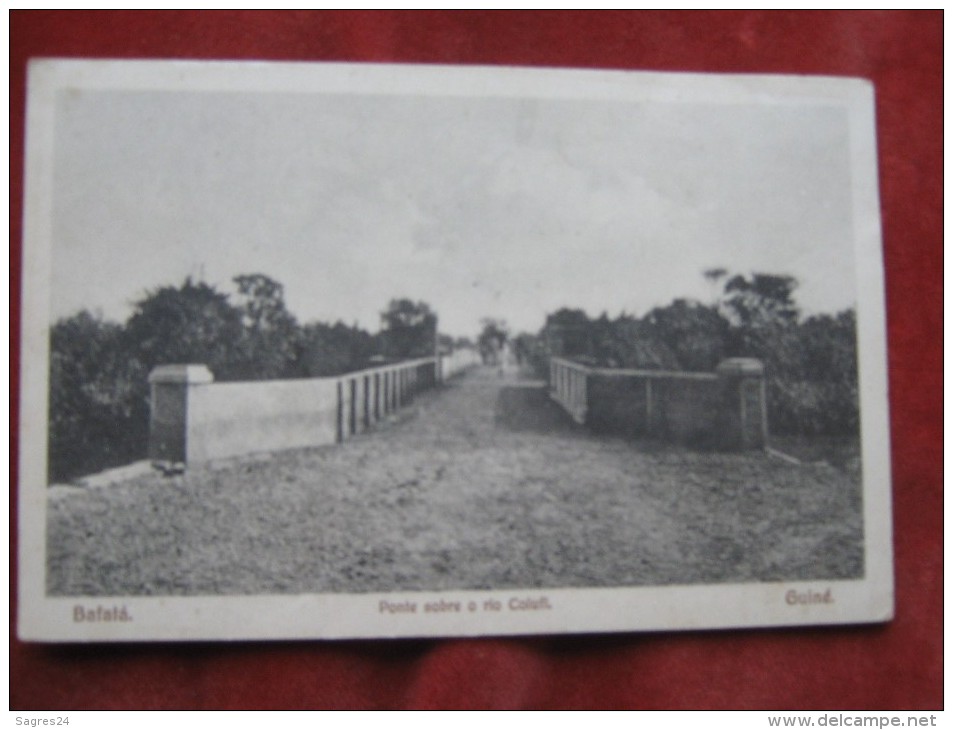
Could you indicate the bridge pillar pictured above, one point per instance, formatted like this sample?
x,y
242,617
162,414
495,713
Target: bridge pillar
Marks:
x,y
745,418
168,414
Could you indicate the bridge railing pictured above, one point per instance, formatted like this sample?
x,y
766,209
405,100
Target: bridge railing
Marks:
x,y
568,386
724,409
194,419
366,396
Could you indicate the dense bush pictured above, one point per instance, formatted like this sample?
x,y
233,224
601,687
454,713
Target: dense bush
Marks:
x,y
811,371
810,364
409,330
99,391
325,350
98,398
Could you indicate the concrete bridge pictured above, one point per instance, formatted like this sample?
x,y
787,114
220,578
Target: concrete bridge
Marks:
x,y
483,482
194,419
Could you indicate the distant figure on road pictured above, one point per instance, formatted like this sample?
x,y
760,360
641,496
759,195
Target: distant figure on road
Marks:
x,y
508,359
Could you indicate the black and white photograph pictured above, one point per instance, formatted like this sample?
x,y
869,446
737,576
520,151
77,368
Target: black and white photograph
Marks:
x,y
328,350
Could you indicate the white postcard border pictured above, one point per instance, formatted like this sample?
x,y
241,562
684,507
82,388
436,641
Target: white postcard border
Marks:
x,y
43,618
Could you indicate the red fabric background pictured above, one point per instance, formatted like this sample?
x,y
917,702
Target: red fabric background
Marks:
x,y
895,666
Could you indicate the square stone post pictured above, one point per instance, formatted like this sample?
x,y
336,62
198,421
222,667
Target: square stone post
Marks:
x,y
745,421
355,404
351,389
170,386
342,410
377,397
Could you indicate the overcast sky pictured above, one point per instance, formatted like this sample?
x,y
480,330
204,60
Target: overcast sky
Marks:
x,y
480,207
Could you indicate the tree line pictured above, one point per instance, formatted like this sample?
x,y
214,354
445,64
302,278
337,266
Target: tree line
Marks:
x,y
810,362
99,391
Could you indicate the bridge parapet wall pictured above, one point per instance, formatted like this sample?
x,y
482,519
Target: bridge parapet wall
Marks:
x,y
194,419
458,361
725,409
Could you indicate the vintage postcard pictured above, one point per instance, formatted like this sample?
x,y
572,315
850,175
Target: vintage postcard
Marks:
x,y
330,350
